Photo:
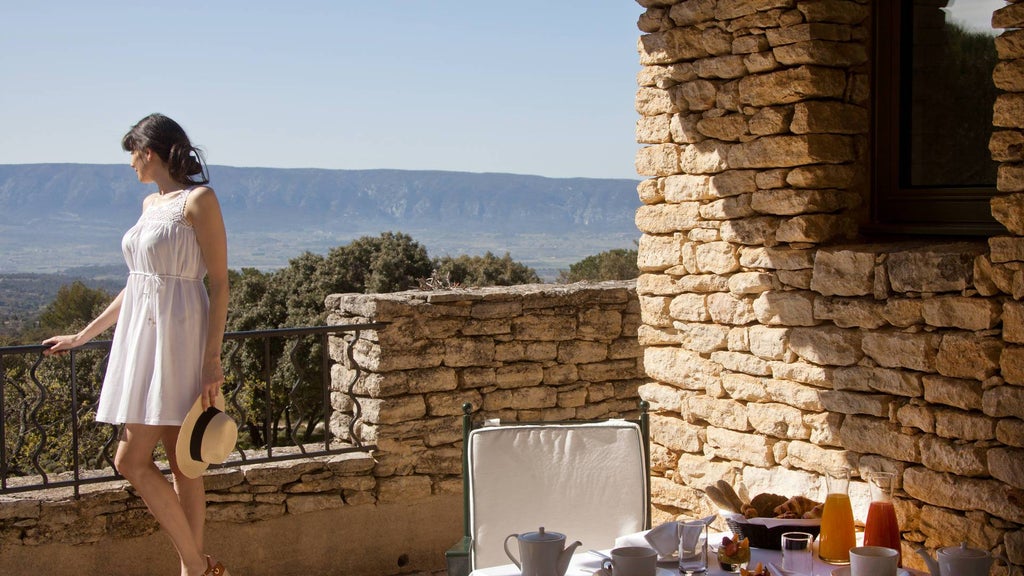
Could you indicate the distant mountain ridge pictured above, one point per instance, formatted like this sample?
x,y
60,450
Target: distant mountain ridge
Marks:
x,y
273,214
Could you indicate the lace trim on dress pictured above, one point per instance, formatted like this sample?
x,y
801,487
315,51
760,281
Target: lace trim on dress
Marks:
x,y
171,212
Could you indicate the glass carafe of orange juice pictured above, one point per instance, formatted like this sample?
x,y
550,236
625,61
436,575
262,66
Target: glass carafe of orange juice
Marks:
x,y
837,534
881,527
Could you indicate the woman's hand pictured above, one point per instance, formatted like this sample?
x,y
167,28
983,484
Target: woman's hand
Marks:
x,y
60,345
213,377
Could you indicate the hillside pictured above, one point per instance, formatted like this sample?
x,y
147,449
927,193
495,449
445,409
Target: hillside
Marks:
x,y
273,214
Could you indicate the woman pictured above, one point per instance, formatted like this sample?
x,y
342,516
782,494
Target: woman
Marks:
x,y
167,344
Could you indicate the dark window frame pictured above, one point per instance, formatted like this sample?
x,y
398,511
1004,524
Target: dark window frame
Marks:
x,y
895,207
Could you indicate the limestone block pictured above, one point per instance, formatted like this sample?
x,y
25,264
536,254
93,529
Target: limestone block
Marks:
x,y
655,102
785,308
1008,110
727,208
420,354
272,474
667,218
699,472
824,428
822,176
684,128
943,455
676,434
789,202
868,378
532,397
244,513
702,337
777,258
450,404
649,191
916,416
1010,431
656,253
720,412
788,150
750,44
682,368
1011,16
698,94
688,252
780,480
665,492
821,53
840,272
856,403
1005,464
958,312
966,355
705,157
752,449
551,327
958,393
770,120
815,228
654,129
741,362
1014,542
902,312
581,351
869,435
840,11
936,268
959,493
799,279
751,231
670,46
968,426
744,387
1008,209
730,310
738,340
717,258
559,374
903,350
794,394
768,343
686,188
805,32
849,312
1006,249
1010,45
759,62
1009,75
624,369
730,128
818,459
655,20
730,183
703,283
826,346
1003,401
751,283
778,420
830,117
792,85
693,12
1010,178
716,41
689,308
519,375
720,67
658,160
945,527
468,351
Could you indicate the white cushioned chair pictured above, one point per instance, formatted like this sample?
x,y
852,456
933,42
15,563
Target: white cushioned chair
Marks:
x,y
589,480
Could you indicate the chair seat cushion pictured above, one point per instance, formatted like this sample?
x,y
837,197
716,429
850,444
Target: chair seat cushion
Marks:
x,y
587,481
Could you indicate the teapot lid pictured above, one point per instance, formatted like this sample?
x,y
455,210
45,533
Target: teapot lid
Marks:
x,y
962,551
541,536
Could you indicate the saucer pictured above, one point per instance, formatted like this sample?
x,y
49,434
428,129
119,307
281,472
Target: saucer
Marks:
x,y
845,571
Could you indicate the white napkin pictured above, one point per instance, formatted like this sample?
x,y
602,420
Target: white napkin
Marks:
x,y
665,538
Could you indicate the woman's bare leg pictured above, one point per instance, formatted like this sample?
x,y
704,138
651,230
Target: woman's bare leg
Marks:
x,y
134,460
191,491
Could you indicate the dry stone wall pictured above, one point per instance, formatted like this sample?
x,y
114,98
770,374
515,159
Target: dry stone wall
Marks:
x,y
778,342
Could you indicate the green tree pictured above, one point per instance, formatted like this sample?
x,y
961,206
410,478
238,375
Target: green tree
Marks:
x,y
486,270
389,263
617,264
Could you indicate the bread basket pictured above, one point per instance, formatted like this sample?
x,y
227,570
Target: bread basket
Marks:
x,y
767,532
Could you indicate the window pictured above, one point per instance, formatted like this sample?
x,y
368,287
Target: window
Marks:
x,y
933,97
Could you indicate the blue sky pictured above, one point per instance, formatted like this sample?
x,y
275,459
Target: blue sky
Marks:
x,y
528,86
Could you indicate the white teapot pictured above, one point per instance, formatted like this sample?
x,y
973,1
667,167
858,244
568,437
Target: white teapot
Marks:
x,y
958,561
542,553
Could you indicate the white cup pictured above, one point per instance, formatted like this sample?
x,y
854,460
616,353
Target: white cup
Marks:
x,y
873,561
632,561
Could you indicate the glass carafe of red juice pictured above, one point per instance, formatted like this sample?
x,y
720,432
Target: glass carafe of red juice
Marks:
x,y
881,527
837,532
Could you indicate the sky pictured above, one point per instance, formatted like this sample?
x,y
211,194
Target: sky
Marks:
x,y
541,87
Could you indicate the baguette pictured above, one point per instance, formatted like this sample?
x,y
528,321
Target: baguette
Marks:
x,y
718,498
730,495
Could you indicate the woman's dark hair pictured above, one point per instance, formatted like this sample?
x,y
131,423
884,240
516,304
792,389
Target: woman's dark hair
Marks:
x,y
168,140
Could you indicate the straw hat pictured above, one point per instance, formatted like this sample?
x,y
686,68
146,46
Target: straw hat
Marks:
x,y
206,437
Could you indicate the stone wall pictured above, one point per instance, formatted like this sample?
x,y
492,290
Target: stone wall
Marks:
x,y
777,340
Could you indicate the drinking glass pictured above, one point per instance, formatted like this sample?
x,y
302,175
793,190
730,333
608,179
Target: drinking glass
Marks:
x,y
693,548
797,555
837,533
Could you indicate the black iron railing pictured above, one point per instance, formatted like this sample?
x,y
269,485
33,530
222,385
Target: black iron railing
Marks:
x,y
277,387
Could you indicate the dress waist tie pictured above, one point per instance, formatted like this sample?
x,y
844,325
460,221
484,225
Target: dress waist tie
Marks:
x,y
151,284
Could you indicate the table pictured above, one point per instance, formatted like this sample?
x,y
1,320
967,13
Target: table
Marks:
x,y
585,563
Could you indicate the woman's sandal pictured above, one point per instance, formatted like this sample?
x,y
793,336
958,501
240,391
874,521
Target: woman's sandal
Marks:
x,y
217,569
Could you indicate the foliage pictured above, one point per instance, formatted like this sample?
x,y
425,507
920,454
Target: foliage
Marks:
x,y
486,270
618,264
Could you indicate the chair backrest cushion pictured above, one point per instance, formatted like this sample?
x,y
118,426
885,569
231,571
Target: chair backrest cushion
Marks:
x,y
587,481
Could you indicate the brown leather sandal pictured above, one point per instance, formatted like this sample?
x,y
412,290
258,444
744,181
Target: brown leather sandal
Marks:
x,y
217,569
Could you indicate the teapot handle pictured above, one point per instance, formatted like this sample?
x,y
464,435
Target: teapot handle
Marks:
x,y
509,552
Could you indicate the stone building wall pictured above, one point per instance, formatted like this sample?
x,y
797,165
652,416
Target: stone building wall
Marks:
x,y
777,340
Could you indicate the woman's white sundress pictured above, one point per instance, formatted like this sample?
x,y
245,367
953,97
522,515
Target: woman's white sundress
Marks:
x,y
155,367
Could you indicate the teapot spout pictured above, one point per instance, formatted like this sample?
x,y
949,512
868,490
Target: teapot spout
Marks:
x,y
933,565
565,557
